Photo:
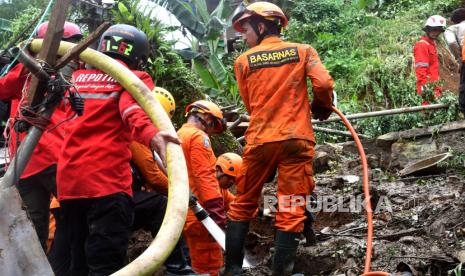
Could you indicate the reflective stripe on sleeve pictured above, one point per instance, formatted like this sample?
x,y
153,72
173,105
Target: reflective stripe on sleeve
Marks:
x,y
132,107
422,64
99,96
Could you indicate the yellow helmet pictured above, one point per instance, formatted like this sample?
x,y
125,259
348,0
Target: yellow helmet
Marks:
x,y
166,100
211,108
230,163
267,10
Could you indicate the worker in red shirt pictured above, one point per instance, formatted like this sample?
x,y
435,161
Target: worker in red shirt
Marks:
x,y
203,119
426,57
272,80
94,175
37,183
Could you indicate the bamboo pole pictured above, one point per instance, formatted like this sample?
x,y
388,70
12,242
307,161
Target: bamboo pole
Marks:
x,y
365,115
384,113
338,132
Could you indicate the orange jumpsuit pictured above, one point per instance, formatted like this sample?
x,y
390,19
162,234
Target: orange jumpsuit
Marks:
x,y
206,254
143,159
52,224
228,198
272,83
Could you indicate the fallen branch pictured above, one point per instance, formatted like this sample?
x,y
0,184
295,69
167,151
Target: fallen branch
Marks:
x,y
398,235
79,48
390,237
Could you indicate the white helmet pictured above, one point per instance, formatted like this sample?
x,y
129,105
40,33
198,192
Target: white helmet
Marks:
x,y
436,21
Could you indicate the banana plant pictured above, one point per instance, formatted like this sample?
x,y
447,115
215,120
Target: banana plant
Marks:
x,y
206,52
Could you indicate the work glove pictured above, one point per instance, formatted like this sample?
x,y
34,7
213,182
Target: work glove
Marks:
x,y
320,112
215,208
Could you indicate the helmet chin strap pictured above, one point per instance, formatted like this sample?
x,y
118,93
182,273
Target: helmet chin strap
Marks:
x,y
260,36
202,121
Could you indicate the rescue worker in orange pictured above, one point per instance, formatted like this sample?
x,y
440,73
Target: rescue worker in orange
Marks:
x,y
271,77
142,156
203,118
426,56
150,188
228,166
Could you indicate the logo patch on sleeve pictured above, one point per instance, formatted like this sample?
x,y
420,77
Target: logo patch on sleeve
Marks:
x,y
206,142
274,58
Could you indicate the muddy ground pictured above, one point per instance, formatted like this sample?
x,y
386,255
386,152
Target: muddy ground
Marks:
x,y
419,220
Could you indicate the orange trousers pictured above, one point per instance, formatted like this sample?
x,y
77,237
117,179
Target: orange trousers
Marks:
x,y
205,253
293,160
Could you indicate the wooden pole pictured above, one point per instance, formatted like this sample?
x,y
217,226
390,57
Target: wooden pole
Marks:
x,y
48,52
36,93
75,51
22,253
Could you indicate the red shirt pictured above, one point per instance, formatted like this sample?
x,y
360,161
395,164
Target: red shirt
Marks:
x,y
94,160
45,153
426,63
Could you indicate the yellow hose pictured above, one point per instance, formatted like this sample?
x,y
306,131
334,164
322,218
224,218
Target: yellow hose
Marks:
x,y
178,191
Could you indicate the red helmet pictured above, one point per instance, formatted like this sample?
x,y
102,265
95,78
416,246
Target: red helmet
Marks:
x,y
71,30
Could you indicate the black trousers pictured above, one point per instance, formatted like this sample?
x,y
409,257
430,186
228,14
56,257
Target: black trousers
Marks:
x,y
462,89
98,232
35,192
59,256
149,211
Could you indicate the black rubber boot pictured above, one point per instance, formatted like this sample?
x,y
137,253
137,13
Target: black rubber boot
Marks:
x,y
285,250
176,264
236,232
308,232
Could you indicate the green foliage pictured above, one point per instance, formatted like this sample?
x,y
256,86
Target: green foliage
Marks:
x,y
22,21
12,9
367,47
165,66
206,52
456,271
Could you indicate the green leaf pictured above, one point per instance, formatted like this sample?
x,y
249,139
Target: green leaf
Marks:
x,y
183,12
202,11
215,28
207,78
223,10
188,54
125,12
217,68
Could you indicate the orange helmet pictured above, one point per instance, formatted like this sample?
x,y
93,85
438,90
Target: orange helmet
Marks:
x,y
166,100
230,163
211,108
268,11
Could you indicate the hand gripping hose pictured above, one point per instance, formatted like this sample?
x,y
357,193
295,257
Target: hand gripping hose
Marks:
x,y
366,192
